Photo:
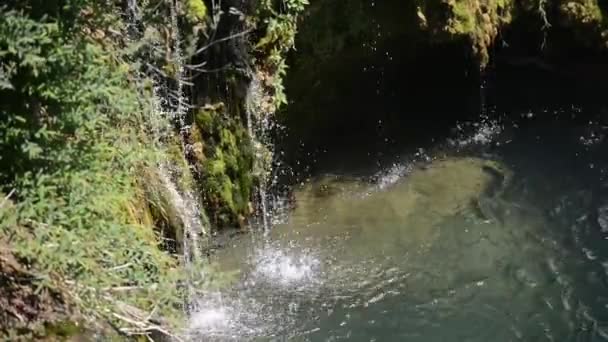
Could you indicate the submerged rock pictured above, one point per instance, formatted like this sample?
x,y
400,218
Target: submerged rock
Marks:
x,y
411,210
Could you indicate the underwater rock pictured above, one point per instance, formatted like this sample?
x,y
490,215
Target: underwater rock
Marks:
x,y
411,210
449,185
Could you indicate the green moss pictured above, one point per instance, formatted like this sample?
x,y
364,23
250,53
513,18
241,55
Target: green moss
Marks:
x,y
63,330
216,166
464,18
581,12
196,10
587,21
225,168
180,171
204,120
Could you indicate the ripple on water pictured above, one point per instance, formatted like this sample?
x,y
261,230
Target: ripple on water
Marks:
x,y
400,264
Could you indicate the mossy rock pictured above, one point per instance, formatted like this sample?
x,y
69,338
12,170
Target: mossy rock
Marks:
x,y
581,12
224,165
588,22
478,21
196,11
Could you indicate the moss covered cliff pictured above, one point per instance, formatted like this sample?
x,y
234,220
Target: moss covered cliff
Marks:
x,y
429,56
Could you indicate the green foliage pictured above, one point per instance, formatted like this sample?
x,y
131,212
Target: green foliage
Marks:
x,y
71,150
583,11
280,24
196,11
78,161
478,21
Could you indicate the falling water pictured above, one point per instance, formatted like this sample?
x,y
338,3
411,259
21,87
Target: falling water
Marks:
x,y
258,125
180,108
133,11
171,107
483,83
186,203
188,211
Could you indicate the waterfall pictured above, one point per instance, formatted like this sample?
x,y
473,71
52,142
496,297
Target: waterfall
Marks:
x,y
180,110
483,84
188,211
169,109
259,125
186,203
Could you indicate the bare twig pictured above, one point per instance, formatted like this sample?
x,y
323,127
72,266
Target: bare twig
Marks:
x,y
142,328
153,312
117,268
194,66
232,36
10,194
157,70
122,288
207,71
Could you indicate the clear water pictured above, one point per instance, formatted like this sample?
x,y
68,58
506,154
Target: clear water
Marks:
x,y
483,238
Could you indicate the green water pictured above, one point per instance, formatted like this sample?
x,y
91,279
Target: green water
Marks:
x,y
465,244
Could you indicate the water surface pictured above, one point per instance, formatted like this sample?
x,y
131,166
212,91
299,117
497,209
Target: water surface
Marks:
x,y
492,235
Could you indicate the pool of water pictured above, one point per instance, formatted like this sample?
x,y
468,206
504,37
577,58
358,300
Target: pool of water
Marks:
x,y
498,234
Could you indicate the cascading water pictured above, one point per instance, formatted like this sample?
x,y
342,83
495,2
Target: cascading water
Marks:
x,y
170,105
259,124
238,313
188,206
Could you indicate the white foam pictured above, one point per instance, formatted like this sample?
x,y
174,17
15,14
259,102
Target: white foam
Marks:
x,y
211,319
276,266
485,131
233,318
388,177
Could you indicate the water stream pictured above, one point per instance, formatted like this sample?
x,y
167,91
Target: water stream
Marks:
x,y
168,112
259,125
489,235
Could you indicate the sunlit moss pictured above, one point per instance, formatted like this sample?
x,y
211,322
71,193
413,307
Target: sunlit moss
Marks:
x,y
196,10
225,165
478,20
582,11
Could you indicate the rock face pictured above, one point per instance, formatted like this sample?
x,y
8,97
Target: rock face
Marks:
x,y
479,24
406,54
248,42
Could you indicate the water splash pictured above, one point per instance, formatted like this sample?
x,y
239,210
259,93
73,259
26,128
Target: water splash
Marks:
x,y
244,312
277,266
482,132
236,319
390,176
